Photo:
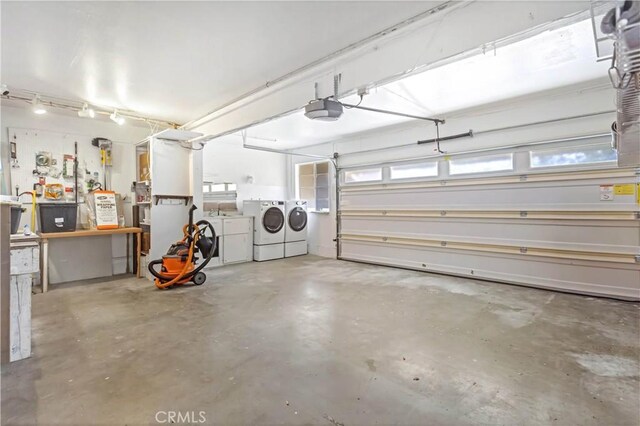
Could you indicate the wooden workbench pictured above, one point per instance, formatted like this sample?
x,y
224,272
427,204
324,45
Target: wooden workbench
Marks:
x,y
45,237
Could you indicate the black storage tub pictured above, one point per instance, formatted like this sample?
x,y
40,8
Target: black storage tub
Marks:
x,y
16,215
57,217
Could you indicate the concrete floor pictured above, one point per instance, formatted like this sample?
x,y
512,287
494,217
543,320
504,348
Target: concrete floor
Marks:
x,y
318,341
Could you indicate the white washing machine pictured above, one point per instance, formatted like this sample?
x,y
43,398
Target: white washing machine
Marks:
x,y
268,228
295,236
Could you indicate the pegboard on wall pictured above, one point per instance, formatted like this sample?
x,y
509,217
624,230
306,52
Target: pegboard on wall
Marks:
x,y
52,148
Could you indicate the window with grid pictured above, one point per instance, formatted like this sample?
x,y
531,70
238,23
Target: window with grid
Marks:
x,y
219,191
313,185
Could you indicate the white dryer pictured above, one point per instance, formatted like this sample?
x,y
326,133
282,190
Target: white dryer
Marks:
x,y
268,228
295,236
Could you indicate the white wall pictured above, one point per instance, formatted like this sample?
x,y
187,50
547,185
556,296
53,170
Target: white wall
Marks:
x,y
72,128
571,101
87,257
225,160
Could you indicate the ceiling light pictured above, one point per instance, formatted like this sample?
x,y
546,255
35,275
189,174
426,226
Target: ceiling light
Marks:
x,y
116,118
38,107
86,112
323,110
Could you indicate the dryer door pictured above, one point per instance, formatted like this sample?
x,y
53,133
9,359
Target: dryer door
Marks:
x,y
273,220
297,219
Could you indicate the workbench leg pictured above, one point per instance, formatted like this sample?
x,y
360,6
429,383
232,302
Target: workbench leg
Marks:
x,y
45,265
128,268
139,237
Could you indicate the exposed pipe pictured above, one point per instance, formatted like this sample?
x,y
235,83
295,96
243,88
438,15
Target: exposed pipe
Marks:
x,y
338,221
75,171
353,46
557,23
282,151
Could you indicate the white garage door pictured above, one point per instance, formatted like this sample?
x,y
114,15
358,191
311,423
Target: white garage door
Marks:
x,y
561,217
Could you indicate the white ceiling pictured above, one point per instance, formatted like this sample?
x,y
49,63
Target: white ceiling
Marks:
x,y
549,60
176,60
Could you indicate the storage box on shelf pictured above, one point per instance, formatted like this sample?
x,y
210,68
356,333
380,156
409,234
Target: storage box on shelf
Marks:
x,y
57,217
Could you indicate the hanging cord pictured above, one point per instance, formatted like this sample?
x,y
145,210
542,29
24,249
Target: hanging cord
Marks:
x,y
354,106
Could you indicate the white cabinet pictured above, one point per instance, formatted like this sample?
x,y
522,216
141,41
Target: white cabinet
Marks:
x,y
170,168
20,317
25,264
235,240
25,255
238,239
236,248
237,225
216,260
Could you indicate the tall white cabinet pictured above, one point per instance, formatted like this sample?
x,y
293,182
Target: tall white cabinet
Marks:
x,y
166,192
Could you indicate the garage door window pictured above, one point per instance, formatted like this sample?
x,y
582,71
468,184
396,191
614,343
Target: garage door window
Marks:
x,y
593,154
484,164
408,171
365,175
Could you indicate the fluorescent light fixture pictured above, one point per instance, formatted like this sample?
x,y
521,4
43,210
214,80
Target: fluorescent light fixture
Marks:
x,y
86,112
117,118
38,107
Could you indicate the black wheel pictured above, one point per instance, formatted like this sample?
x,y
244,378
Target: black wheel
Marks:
x,y
199,278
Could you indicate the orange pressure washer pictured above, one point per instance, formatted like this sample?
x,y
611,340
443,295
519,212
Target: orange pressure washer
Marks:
x,y
179,264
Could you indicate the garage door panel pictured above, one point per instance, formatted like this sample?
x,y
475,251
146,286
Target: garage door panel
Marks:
x,y
579,195
576,231
568,275
607,236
